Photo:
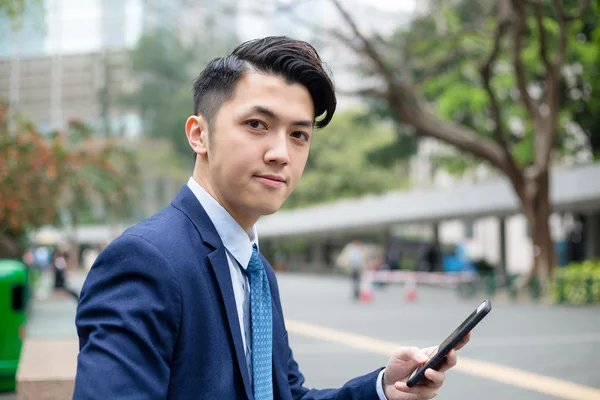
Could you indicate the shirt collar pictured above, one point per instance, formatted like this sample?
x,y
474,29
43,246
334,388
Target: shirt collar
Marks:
x,y
234,238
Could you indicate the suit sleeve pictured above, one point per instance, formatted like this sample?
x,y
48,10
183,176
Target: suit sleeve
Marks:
x,y
361,388
127,322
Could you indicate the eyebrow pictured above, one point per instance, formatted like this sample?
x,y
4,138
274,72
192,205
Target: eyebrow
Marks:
x,y
272,115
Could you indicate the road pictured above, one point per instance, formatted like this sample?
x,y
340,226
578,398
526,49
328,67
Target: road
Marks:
x,y
520,351
550,341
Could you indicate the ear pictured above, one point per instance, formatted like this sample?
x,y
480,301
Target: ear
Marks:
x,y
196,130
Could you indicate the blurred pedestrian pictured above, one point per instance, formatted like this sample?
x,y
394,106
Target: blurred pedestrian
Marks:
x,y
59,265
356,260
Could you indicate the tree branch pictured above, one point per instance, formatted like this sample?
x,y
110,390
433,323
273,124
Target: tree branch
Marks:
x,y
401,92
407,106
539,17
562,41
462,138
345,40
518,33
368,47
367,92
485,71
442,63
546,126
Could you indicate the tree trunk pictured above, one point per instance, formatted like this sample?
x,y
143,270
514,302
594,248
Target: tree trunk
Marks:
x,y
537,210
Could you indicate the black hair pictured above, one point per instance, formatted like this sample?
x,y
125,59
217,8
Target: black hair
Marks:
x,y
294,60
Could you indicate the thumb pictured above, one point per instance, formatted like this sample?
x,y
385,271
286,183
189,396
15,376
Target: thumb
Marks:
x,y
410,354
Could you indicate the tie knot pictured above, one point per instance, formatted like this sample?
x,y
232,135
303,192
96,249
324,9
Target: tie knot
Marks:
x,y
255,264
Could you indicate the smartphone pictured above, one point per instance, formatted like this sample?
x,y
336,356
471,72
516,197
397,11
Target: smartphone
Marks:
x,y
438,355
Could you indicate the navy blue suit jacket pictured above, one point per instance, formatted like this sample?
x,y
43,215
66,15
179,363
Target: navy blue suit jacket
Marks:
x,y
157,319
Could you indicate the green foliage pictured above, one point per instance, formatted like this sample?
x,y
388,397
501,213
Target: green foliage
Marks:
x,y
165,68
160,62
586,109
397,151
339,166
401,148
453,164
441,53
577,283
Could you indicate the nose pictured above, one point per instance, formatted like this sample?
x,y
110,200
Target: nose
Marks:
x,y
277,151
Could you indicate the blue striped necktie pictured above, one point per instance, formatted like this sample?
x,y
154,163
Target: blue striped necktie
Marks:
x,y
262,328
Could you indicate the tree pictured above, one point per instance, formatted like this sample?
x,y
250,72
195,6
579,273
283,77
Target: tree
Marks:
x,y
45,176
165,67
339,165
486,56
28,177
586,109
453,83
99,175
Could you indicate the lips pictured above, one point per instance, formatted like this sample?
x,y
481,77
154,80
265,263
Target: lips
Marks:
x,y
276,178
271,181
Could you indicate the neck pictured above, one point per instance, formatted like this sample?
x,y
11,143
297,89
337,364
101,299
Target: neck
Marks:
x,y
244,219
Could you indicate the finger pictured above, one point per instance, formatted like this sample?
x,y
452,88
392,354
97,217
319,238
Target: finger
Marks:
x,y
449,362
463,342
411,354
429,350
422,392
436,377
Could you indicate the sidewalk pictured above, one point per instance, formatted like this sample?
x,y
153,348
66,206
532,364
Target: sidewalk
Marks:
x,y
49,357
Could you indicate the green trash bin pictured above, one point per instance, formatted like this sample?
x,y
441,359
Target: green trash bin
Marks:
x,y
13,316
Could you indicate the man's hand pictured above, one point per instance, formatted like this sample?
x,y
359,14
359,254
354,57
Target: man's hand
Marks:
x,y
404,361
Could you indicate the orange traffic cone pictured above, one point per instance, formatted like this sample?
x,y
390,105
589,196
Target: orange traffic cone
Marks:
x,y
366,291
366,296
410,291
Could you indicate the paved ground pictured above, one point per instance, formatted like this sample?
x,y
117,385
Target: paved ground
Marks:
x,y
556,342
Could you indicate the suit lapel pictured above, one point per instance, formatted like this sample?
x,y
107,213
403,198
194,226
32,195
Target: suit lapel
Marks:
x,y
189,205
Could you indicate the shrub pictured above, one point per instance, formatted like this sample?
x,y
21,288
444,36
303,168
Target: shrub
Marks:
x,y
578,283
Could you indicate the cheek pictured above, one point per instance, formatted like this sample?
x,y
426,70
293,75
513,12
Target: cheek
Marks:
x,y
235,168
298,164
233,158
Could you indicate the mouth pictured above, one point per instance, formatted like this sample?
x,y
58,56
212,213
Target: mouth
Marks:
x,y
271,180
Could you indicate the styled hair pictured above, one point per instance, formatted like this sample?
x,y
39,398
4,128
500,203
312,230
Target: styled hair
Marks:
x,y
293,60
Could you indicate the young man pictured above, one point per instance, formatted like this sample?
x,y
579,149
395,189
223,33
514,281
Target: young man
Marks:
x,y
182,305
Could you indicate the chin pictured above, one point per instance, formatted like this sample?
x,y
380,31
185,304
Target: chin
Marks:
x,y
267,209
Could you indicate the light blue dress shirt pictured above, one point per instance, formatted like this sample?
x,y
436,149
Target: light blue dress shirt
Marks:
x,y
239,250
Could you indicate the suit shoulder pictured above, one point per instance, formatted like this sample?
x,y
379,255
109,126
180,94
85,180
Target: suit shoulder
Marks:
x,y
166,229
170,232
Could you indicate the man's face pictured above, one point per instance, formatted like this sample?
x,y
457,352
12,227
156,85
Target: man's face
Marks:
x,y
258,145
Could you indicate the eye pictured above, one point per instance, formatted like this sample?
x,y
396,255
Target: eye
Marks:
x,y
300,135
256,124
